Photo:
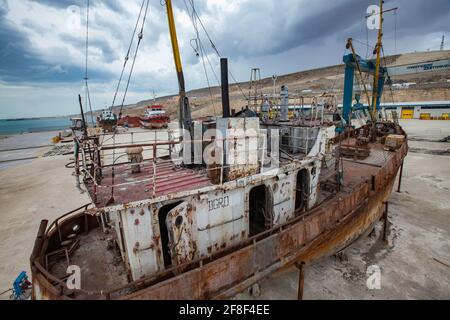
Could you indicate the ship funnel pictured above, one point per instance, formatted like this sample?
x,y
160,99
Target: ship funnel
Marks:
x,y
225,91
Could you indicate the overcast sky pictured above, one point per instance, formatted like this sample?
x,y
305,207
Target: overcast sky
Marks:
x,y
42,44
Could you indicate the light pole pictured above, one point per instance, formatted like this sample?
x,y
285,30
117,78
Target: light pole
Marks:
x,y
274,78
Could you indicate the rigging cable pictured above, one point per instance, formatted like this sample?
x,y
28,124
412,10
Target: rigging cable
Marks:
x,y
214,47
388,76
88,97
202,53
395,31
127,56
140,36
367,38
125,64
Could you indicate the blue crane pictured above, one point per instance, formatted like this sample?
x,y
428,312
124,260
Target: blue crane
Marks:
x,y
351,62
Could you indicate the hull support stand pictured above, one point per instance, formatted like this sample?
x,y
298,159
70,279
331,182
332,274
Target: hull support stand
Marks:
x,y
301,279
386,222
400,177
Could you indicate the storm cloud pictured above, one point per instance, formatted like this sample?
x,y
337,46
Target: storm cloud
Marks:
x,y
42,43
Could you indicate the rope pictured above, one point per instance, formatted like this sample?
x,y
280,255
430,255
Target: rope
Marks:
x,y
202,53
127,55
387,75
194,12
88,98
367,38
140,36
395,31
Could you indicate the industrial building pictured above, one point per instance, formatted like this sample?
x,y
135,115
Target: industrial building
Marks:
x,y
425,110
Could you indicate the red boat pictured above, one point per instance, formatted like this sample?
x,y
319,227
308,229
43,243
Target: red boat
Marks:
x,y
155,117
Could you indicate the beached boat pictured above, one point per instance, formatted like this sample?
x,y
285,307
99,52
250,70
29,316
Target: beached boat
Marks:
x,y
179,225
107,120
155,117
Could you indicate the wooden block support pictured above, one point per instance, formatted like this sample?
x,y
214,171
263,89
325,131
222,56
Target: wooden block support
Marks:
x,y
301,279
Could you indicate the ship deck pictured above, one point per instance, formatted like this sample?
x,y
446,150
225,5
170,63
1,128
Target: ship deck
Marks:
x,y
163,179
354,171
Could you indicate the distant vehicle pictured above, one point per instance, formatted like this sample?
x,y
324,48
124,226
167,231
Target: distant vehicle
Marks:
x,y
155,117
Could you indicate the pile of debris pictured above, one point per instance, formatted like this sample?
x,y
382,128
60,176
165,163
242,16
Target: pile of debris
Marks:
x,y
59,150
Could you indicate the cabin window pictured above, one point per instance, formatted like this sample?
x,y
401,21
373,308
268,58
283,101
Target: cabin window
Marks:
x,y
258,214
302,190
162,215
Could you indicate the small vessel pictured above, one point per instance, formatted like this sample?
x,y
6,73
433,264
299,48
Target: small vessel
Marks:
x,y
107,120
155,117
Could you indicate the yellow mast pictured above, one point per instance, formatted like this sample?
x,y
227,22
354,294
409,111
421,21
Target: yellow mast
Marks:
x,y
173,37
184,111
377,66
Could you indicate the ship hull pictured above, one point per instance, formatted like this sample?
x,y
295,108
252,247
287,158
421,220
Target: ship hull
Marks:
x,y
326,230
150,123
107,126
318,233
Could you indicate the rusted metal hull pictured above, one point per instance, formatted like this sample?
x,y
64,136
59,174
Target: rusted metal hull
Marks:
x,y
318,233
327,230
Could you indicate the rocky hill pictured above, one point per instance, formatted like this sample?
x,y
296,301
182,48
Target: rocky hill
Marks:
x,y
428,87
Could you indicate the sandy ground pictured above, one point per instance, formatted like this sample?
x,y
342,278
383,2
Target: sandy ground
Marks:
x,y
416,262
22,141
414,265
29,192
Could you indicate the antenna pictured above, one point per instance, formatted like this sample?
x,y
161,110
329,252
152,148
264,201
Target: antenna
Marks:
x,y
442,43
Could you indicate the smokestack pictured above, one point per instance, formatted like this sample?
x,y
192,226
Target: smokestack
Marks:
x,y
225,91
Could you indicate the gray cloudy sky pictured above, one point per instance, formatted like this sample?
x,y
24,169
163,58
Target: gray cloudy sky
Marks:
x,y
43,60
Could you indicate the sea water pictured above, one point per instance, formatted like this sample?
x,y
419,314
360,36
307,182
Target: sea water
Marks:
x,y
34,125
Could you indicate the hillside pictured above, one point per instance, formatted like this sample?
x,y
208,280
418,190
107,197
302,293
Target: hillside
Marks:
x,y
429,86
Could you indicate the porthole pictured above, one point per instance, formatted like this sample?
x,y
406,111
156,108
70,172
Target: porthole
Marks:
x,y
178,221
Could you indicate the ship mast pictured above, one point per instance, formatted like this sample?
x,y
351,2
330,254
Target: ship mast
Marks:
x,y
377,65
184,109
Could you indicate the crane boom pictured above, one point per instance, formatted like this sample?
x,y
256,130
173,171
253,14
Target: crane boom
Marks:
x,y
184,109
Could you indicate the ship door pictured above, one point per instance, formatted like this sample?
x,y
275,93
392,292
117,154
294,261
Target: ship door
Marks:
x,y
259,215
162,216
181,244
302,190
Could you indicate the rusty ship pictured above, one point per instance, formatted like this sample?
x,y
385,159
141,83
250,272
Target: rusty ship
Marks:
x,y
165,223
155,117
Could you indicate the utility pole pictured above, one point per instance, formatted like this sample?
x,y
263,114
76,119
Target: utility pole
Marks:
x,y
442,42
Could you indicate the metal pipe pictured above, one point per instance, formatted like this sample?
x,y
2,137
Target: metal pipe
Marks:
x,y
225,90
